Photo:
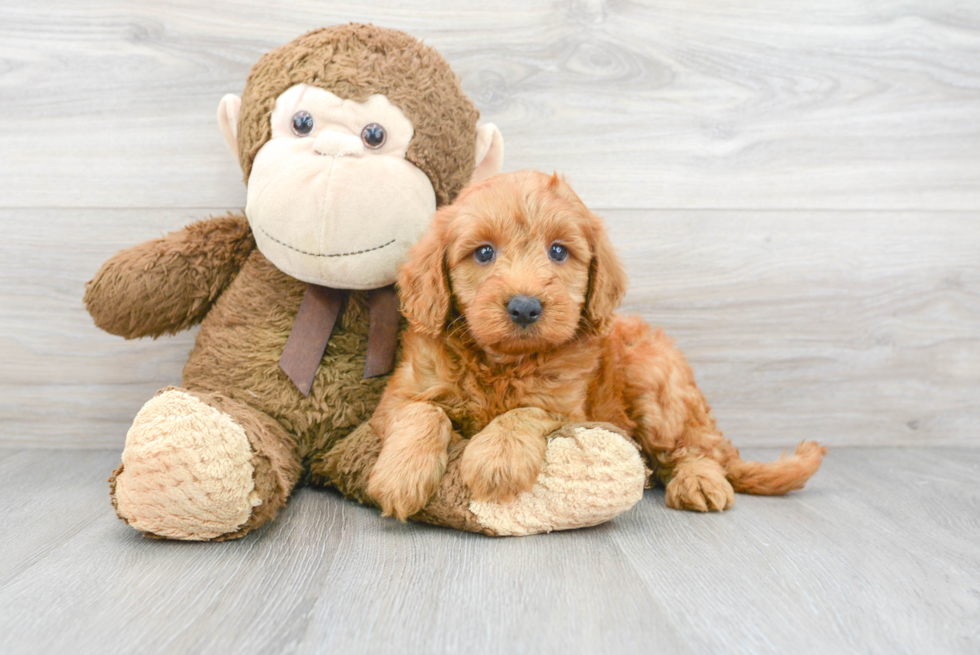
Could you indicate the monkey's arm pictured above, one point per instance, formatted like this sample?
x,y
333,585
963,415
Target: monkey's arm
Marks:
x,y
168,284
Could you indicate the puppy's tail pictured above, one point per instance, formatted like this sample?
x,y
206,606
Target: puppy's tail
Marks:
x,y
779,477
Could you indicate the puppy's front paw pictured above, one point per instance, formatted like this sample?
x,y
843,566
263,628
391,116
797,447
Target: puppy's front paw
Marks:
x,y
700,486
403,486
412,460
497,466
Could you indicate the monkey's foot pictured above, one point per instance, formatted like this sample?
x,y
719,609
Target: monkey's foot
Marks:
x,y
187,470
590,474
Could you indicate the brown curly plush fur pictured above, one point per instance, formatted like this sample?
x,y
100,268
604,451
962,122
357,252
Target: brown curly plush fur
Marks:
x,y
507,385
183,273
211,271
357,61
237,354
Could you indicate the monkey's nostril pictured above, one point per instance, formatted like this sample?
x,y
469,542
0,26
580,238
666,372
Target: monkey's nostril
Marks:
x,y
524,310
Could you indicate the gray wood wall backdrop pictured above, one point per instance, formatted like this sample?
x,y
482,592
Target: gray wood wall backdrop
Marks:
x,y
794,186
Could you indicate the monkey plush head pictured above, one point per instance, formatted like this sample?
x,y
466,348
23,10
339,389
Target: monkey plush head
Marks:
x,y
350,137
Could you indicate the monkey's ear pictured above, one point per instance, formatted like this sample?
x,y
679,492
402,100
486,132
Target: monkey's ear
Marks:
x,y
228,110
607,280
489,153
423,284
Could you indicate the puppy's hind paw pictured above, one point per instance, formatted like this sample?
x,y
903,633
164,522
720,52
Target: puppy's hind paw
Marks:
x,y
701,486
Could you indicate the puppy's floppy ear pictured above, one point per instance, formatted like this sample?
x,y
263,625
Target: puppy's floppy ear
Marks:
x,y
423,282
607,279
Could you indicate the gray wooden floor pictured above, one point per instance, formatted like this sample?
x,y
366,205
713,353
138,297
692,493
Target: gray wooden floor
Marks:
x,y
880,554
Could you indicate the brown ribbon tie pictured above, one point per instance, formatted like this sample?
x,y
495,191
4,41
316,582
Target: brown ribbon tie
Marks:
x,y
382,331
315,322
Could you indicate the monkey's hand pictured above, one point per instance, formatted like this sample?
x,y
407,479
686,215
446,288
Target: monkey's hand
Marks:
x,y
168,284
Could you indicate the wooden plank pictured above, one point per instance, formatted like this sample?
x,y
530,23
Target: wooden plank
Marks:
x,y
53,497
837,104
120,592
850,328
64,381
831,569
871,557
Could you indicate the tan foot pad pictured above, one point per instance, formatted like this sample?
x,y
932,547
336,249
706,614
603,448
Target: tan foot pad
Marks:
x,y
589,476
187,471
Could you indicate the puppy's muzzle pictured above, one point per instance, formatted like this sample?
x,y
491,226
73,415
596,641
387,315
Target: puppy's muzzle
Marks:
x,y
524,310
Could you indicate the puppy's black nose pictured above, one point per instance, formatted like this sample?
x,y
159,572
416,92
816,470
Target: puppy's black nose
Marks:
x,y
524,310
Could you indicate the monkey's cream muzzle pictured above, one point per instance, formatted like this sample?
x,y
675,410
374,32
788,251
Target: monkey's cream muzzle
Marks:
x,y
325,207
338,144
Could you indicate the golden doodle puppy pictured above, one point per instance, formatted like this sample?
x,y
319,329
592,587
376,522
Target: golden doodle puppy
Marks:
x,y
510,298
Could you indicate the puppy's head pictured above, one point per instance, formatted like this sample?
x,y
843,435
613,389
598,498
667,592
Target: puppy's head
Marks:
x,y
521,259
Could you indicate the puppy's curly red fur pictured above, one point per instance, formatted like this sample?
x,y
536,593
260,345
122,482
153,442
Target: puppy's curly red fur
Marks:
x,y
507,384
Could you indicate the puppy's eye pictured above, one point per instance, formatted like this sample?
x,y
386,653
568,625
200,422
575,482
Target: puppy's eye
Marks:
x,y
374,136
302,123
484,254
558,252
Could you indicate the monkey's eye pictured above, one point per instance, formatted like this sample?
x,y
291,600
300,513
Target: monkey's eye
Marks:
x,y
484,254
374,136
302,123
558,252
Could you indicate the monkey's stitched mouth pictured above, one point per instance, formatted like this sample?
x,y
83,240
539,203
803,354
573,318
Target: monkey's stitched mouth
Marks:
x,y
320,254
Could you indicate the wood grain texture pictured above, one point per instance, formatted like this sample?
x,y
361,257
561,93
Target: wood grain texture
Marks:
x,y
849,328
827,287
64,381
718,104
877,555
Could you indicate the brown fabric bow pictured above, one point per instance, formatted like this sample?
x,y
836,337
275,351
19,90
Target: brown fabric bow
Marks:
x,y
315,322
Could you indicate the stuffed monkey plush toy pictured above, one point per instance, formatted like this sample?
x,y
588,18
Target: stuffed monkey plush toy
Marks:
x,y
350,137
